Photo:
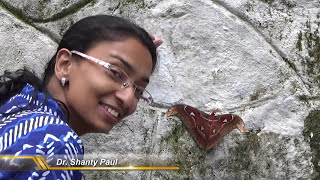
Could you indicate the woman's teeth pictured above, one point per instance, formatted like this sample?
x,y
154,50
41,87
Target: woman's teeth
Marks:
x,y
111,111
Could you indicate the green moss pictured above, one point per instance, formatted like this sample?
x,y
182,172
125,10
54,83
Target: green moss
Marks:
x,y
68,11
185,156
250,144
41,5
92,3
313,67
315,51
115,8
304,99
123,5
290,63
311,43
268,1
309,39
16,13
294,87
289,4
173,138
132,1
241,163
311,132
256,95
308,25
299,42
140,3
19,15
65,25
248,6
135,1
259,155
283,76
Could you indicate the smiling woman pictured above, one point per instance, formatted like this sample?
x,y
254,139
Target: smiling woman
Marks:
x,y
97,77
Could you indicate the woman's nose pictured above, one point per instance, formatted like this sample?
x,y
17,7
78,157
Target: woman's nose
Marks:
x,y
126,96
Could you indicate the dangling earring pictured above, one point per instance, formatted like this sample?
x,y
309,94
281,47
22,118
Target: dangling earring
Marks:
x,y
63,81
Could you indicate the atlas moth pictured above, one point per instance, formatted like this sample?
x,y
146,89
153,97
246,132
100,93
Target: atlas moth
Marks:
x,y
206,129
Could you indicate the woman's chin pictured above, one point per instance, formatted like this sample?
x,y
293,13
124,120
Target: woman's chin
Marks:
x,y
102,129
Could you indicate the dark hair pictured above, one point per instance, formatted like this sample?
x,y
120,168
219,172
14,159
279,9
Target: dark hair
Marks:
x,y
11,83
81,36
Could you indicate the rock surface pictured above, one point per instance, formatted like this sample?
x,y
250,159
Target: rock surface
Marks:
x,y
259,59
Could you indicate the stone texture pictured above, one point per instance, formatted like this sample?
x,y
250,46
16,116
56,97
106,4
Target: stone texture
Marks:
x,y
46,10
312,135
256,58
22,45
292,27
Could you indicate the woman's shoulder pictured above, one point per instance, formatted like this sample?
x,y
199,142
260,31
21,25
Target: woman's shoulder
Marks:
x,y
38,133
23,122
36,117
36,129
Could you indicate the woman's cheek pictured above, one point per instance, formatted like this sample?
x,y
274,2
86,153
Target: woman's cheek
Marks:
x,y
132,109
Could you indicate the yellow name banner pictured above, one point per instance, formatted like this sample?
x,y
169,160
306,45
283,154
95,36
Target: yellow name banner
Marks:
x,y
41,164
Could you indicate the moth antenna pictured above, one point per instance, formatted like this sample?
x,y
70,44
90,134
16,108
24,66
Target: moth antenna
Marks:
x,y
173,111
240,125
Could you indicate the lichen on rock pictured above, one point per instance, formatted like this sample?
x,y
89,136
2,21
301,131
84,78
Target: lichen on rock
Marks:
x,y
311,133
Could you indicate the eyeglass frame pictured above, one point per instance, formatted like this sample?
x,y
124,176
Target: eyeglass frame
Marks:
x,y
124,85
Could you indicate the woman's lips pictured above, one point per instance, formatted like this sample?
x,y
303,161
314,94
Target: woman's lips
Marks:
x,y
109,117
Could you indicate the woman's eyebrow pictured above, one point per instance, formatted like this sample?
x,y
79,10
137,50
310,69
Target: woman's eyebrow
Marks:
x,y
129,66
124,62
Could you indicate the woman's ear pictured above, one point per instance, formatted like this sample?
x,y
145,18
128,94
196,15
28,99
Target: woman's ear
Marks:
x,y
63,63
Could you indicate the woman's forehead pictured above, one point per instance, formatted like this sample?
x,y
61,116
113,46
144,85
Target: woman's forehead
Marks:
x,y
130,54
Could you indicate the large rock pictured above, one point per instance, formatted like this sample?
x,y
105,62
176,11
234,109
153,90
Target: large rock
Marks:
x,y
23,45
258,59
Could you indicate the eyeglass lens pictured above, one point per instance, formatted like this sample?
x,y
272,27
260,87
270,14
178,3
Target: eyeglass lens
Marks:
x,y
117,75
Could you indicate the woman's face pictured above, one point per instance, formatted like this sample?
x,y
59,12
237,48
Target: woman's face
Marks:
x,y
93,99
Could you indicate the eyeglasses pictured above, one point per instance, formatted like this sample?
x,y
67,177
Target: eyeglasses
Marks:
x,y
119,76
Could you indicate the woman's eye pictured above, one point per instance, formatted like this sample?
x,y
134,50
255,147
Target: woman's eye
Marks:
x,y
138,92
116,75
